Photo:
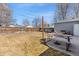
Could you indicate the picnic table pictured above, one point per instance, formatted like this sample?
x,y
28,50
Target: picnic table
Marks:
x,y
66,36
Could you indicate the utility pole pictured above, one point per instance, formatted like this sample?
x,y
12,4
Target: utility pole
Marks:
x,y
42,27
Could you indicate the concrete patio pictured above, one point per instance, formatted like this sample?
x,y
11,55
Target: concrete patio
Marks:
x,y
74,48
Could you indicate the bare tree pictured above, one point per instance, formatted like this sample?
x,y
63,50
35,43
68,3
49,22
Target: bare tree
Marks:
x,y
5,14
46,25
37,22
76,10
61,11
25,22
13,21
66,11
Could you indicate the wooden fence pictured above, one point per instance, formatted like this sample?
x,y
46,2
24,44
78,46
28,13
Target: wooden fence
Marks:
x,y
16,29
9,29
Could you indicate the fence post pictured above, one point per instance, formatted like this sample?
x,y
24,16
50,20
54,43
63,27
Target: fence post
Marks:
x,y
42,27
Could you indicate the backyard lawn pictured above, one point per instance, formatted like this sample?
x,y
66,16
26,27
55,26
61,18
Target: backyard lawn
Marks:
x,y
24,44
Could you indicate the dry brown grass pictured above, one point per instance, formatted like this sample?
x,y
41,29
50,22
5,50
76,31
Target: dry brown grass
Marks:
x,y
21,44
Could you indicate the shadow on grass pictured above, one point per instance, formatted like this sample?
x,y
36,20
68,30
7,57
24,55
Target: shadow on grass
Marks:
x,y
52,52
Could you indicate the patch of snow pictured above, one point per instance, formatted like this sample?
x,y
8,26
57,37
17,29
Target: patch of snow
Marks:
x,y
12,26
29,26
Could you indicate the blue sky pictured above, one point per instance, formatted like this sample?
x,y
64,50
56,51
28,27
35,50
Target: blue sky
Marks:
x,y
32,10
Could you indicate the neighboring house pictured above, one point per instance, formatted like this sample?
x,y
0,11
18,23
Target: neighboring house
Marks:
x,y
71,26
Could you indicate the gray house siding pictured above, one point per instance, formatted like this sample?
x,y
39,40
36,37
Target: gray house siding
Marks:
x,y
68,26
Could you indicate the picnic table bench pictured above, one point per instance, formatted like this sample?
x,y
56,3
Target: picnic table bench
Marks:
x,y
65,36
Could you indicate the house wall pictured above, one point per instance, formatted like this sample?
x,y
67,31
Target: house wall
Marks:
x,y
68,26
